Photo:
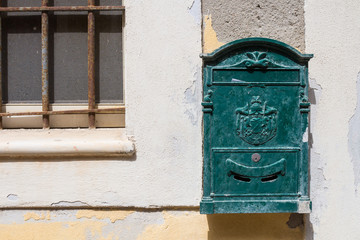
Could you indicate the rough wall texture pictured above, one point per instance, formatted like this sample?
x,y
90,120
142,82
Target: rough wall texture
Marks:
x,y
332,35
163,95
282,20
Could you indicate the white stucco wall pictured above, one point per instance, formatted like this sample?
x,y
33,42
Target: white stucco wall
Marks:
x,y
332,34
162,74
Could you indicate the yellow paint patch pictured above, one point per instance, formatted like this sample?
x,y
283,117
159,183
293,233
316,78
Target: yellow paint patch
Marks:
x,y
223,226
36,216
83,230
188,226
100,214
210,39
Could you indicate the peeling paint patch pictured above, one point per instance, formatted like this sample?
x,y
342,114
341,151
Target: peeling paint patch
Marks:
x,y
36,216
13,197
319,185
192,95
354,137
101,214
195,10
305,137
70,204
211,41
191,4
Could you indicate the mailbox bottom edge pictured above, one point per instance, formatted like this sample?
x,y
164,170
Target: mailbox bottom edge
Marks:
x,y
255,206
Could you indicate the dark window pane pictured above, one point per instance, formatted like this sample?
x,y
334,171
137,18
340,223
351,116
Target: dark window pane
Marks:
x,y
68,2
109,49
21,3
109,2
21,59
68,65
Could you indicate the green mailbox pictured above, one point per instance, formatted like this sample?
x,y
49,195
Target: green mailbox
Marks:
x,y
255,109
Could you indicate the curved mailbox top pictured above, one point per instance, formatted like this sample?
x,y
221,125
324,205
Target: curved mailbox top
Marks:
x,y
267,43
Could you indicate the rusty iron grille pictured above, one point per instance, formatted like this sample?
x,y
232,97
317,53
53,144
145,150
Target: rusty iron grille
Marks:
x,y
46,112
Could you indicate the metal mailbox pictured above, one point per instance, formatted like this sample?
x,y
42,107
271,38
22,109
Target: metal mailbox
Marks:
x,y
255,109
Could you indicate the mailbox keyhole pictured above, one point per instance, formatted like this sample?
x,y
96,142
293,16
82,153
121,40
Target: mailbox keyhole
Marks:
x,y
255,157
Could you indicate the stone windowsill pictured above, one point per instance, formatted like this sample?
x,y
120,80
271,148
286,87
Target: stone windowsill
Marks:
x,y
65,142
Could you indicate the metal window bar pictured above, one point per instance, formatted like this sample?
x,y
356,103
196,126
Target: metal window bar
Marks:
x,y
44,9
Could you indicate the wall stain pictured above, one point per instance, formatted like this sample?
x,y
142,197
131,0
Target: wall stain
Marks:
x,y
295,220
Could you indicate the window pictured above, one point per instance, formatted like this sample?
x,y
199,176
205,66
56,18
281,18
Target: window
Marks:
x,y
61,63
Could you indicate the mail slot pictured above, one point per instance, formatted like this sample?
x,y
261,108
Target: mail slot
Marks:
x,y
256,110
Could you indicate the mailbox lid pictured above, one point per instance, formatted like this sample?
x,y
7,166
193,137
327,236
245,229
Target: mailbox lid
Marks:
x,y
255,172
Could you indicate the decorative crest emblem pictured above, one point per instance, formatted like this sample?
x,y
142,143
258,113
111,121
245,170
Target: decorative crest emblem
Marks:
x,y
256,123
256,60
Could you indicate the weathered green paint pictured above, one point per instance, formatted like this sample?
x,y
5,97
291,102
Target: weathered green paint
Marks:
x,y
255,119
